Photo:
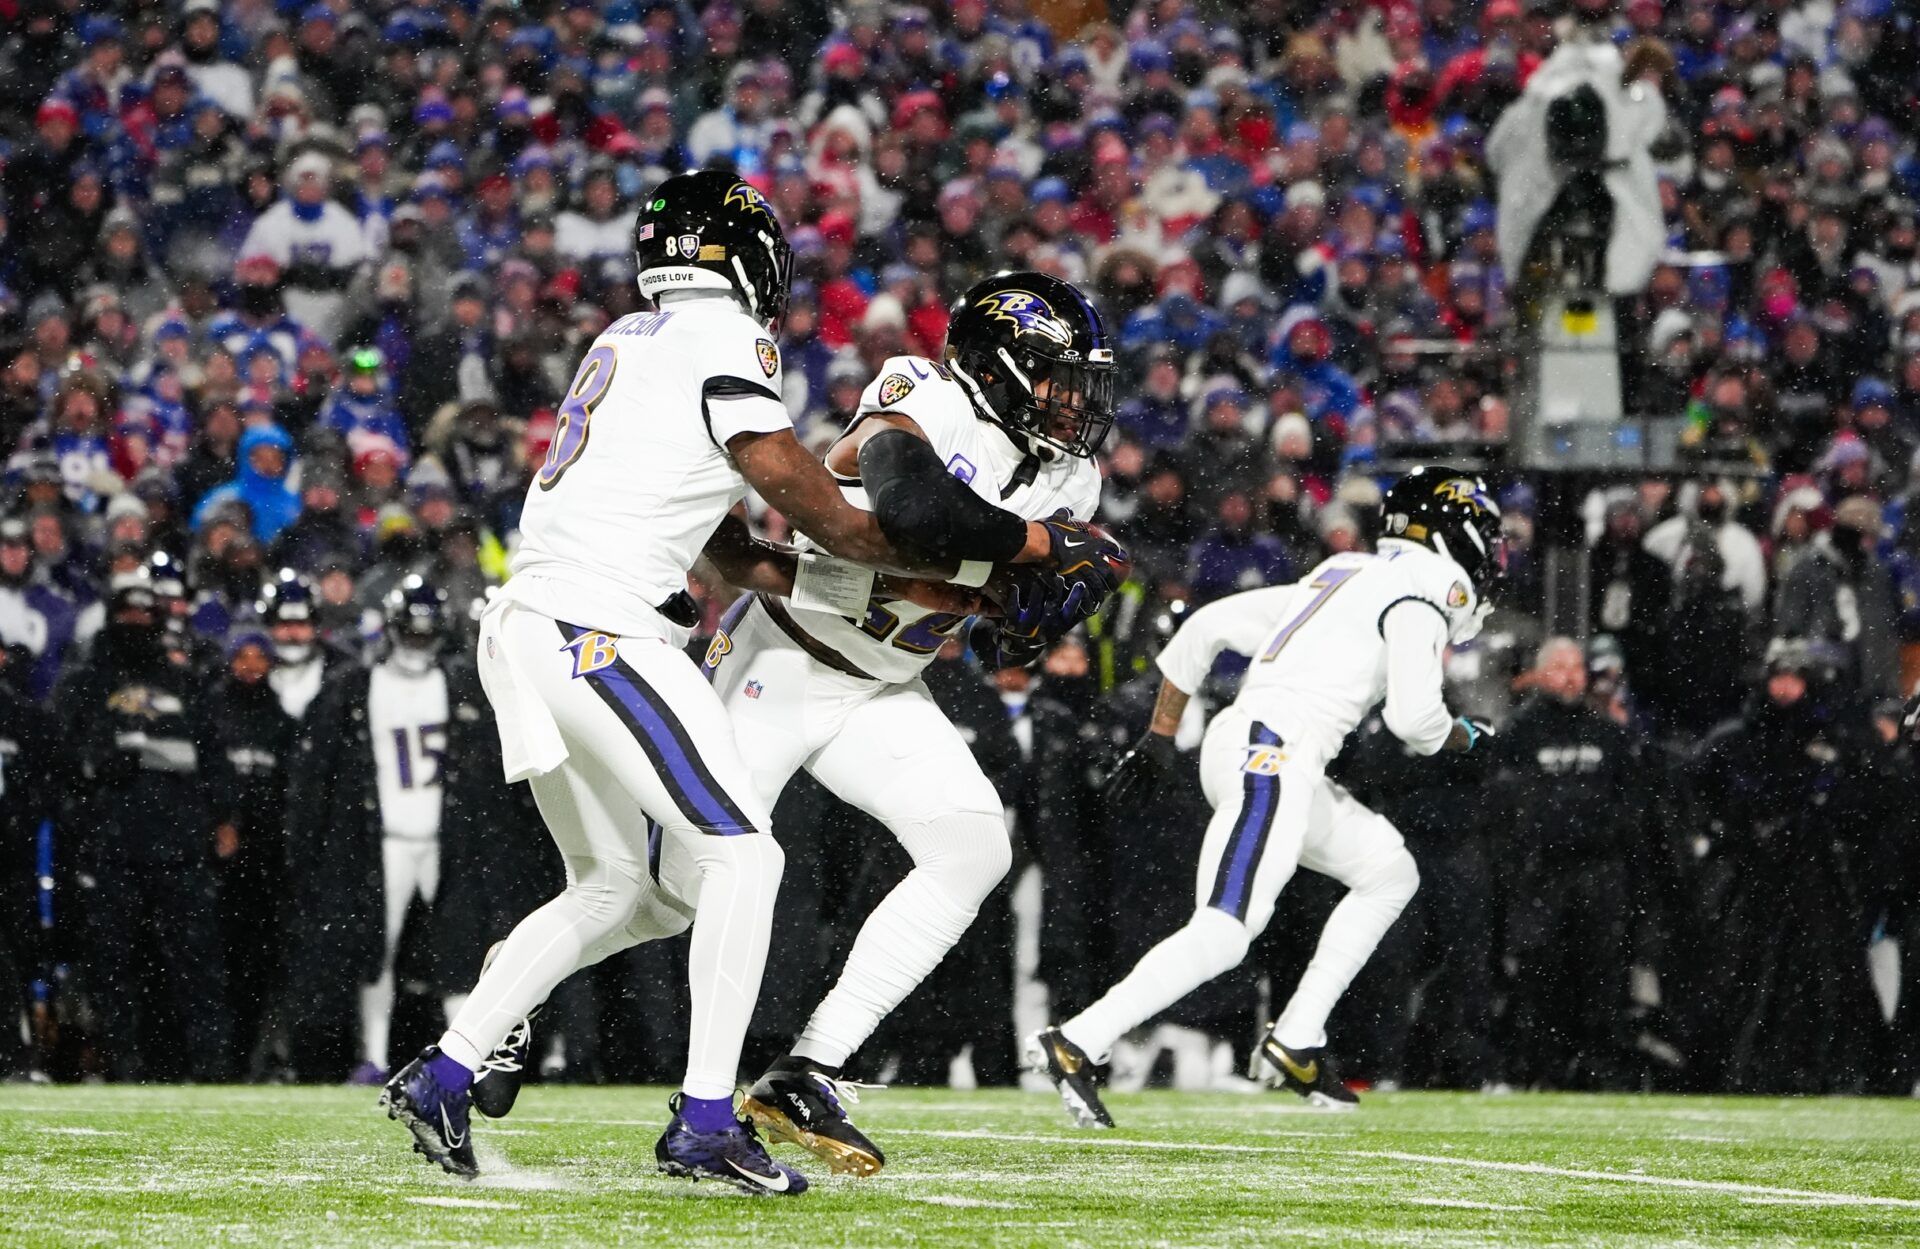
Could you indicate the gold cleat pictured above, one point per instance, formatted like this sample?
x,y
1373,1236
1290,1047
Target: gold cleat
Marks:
x,y
796,1104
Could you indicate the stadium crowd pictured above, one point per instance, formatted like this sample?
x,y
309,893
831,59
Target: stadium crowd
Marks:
x,y
298,285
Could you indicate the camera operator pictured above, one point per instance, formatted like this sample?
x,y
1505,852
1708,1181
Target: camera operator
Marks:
x,y
1577,188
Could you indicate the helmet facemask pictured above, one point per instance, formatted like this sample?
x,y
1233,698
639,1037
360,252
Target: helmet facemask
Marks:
x,y
1058,406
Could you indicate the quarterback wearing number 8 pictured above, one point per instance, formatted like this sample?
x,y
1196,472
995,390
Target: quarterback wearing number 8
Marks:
x,y
1362,628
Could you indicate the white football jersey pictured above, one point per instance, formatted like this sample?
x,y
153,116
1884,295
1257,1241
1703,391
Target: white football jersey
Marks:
x,y
1319,656
407,720
638,475
897,639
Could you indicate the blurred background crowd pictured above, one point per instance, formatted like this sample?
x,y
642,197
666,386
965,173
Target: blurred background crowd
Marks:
x,y
297,286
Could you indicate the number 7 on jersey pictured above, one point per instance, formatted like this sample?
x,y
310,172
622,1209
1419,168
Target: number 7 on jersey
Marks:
x,y
1326,583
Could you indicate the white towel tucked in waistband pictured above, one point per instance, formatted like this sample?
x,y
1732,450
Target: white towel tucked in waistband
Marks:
x,y
530,741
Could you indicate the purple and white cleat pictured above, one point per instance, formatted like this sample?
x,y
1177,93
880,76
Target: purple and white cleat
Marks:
x,y
732,1155
430,1097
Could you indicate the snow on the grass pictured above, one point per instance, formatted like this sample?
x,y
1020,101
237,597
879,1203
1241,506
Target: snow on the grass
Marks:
x,y
81,1132
498,1171
964,1203
1450,1203
464,1203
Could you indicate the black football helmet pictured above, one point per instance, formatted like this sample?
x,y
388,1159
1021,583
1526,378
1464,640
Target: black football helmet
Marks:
x,y
711,230
287,600
1033,354
416,615
1453,513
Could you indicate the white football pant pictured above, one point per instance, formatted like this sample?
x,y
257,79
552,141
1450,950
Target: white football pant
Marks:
x,y
409,867
646,743
890,751
1271,813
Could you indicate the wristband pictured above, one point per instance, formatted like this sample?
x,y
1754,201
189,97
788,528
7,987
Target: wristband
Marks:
x,y
823,583
973,573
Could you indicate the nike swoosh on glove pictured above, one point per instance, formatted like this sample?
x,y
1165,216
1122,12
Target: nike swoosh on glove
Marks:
x,y
1079,552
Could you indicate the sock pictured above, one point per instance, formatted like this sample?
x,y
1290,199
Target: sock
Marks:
x,y
958,859
739,878
707,1114
1213,943
449,1073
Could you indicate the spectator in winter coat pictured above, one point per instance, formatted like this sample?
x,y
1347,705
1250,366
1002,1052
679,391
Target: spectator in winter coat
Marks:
x,y
265,455
317,244
1156,416
38,622
1744,566
366,405
1301,350
1232,556
1841,595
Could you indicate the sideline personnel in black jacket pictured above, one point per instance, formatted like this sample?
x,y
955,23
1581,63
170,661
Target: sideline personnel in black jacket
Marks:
x,y
32,763
253,738
1570,793
137,724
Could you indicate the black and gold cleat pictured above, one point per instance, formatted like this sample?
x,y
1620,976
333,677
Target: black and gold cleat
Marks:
x,y
796,1103
1309,1073
1067,1065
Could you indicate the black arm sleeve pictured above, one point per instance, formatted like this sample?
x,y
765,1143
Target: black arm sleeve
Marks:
x,y
926,511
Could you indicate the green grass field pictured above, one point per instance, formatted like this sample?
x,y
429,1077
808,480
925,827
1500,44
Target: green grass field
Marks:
x,y
574,1166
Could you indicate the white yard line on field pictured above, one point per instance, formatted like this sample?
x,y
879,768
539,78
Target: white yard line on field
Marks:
x,y
1629,1177
1728,1187
965,1203
464,1203
1448,1203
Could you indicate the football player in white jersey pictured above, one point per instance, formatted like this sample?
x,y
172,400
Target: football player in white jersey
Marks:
x,y
672,415
1010,418
1324,651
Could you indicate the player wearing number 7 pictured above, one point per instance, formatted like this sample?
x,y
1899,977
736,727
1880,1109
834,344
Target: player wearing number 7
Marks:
x,y
1360,629
672,415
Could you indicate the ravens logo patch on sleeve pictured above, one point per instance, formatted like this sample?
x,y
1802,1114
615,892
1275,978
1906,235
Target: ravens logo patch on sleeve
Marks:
x,y
893,388
769,356
1457,594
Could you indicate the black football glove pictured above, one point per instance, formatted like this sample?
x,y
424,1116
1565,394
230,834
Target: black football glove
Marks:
x,y
998,647
1136,778
1080,555
1033,599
